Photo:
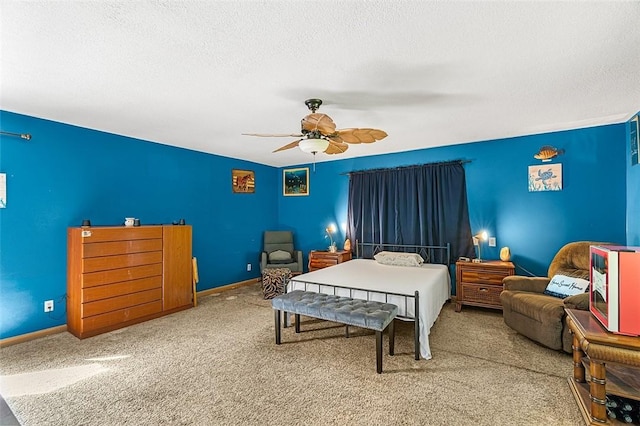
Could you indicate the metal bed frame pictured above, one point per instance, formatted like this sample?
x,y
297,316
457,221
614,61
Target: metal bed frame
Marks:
x,y
427,253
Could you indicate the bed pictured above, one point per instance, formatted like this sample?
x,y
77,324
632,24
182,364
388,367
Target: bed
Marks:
x,y
419,292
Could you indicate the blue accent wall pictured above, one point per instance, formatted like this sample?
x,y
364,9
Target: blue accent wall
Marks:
x,y
66,174
591,205
633,196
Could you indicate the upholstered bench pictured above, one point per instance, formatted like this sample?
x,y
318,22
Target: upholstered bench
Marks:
x,y
371,315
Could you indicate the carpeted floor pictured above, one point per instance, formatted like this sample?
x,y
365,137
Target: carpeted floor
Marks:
x,y
217,364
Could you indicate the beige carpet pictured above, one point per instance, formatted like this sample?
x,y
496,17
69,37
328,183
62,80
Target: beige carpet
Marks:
x,y
217,364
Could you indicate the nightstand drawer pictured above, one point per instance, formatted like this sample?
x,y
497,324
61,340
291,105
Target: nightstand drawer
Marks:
x,y
484,277
489,294
322,262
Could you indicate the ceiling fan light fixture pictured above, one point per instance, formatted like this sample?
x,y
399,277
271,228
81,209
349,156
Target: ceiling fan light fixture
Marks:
x,y
312,146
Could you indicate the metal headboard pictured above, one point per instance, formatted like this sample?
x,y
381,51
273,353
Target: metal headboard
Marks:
x,y
430,254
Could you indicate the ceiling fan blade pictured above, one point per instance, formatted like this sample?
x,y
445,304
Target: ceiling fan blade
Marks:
x,y
272,135
335,138
336,147
288,146
318,122
364,135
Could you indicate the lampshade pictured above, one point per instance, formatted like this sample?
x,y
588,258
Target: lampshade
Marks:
x,y
482,235
312,146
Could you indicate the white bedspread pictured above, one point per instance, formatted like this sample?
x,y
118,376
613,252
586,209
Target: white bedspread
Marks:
x,y
370,280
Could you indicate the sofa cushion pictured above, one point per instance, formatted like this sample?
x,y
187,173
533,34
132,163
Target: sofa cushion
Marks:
x,y
537,306
563,286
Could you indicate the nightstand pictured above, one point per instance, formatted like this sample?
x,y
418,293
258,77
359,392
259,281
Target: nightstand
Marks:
x,y
321,259
480,284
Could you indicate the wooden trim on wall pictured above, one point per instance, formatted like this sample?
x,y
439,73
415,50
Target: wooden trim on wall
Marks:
x,y
62,328
232,286
31,336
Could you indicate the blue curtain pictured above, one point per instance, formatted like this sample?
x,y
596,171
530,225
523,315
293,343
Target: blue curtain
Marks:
x,y
416,205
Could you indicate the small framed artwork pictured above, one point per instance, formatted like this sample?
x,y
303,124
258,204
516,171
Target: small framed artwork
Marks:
x,y
634,135
295,182
545,177
243,181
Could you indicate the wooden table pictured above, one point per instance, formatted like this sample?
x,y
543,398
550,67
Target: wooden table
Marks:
x,y
480,284
322,259
613,362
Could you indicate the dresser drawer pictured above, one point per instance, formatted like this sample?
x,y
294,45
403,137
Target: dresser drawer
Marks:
x,y
489,294
93,279
110,248
120,302
322,262
112,319
92,294
484,276
105,263
123,233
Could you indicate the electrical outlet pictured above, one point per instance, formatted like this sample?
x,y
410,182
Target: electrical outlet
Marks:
x,y
248,267
492,241
48,305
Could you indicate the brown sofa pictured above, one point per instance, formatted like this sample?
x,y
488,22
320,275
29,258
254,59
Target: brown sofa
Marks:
x,y
538,316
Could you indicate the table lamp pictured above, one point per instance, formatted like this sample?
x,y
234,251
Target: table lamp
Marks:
x,y
477,240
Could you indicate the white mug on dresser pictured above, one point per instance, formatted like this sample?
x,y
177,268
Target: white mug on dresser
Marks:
x,y
128,221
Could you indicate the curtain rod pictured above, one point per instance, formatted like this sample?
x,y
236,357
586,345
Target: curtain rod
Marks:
x,y
25,136
437,163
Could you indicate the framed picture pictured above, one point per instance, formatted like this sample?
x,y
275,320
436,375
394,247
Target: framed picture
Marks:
x,y
634,135
295,181
545,177
243,181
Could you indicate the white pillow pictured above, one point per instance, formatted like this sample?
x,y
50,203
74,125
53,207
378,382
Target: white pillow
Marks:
x,y
279,255
398,259
563,286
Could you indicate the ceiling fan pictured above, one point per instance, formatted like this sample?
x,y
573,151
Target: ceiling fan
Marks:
x,y
319,134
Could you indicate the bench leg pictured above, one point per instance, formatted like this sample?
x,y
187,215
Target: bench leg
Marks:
x,y
378,351
277,319
416,329
392,337
346,331
297,323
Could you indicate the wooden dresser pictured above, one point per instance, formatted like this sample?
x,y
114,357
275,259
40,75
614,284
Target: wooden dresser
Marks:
x,y
321,259
118,276
480,284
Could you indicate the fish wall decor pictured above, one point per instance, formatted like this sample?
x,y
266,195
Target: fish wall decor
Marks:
x,y
547,153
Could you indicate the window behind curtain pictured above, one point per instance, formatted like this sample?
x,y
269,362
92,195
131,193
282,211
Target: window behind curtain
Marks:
x,y
416,205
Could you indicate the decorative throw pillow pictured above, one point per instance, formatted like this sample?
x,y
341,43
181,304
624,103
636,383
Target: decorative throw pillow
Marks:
x,y
563,286
280,256
398,259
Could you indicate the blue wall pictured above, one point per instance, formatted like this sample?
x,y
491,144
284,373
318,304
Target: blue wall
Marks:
x,y
534,225
633,197
66,174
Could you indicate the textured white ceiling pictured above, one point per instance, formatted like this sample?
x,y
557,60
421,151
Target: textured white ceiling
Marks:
x,y
197,74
